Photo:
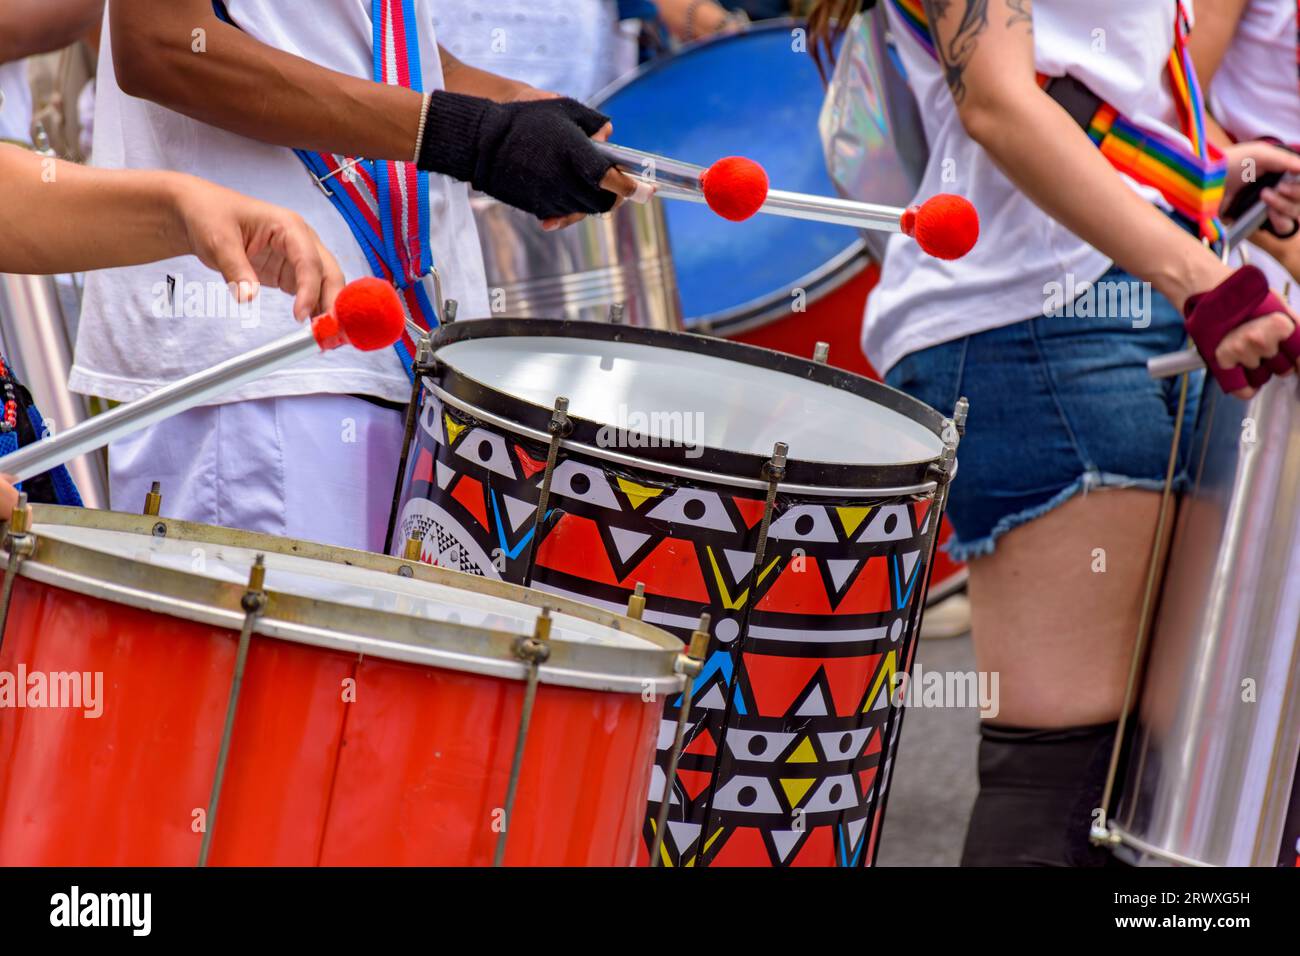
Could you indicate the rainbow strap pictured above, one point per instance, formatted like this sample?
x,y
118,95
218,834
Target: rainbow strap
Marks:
x,y
385,204
1191,180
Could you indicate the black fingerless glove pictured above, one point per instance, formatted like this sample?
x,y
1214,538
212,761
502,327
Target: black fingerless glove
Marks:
x,y
536,155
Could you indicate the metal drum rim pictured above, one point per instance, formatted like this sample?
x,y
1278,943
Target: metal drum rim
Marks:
x,y
84,569
719,463
825,279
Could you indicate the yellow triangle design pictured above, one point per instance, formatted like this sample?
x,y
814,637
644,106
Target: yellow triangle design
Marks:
x,y
796,789
851,518
453,429
804,753
731,604
885,677
638,494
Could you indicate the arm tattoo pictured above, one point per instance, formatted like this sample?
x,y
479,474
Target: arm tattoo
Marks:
x,y
1021,13
956,54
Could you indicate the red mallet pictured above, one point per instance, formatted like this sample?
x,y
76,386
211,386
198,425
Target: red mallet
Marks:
x,y
735,187
944,226
367,315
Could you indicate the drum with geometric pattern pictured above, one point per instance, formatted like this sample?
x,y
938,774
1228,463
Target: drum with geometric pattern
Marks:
x,y
795,714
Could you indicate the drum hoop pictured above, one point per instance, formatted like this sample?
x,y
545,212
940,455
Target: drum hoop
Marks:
x,y
727,467
86,570
677,471
823,280
758,313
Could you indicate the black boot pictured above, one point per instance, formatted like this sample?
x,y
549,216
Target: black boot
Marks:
x,y
1038,792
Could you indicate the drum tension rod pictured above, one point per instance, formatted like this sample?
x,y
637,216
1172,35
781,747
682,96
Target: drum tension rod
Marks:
x,y
534,651
420,367
20,543
253,603
560,427
689,666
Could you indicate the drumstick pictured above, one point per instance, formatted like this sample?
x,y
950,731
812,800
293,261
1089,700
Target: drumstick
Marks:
x,y
944,226
367,315
1189,360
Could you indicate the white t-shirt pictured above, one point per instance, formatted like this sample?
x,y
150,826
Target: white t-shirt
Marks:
x,y
1119,49
16,105
1255,91
573,47
137,333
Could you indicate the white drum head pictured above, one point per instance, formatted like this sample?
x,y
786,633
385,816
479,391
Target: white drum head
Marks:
x,y
687,398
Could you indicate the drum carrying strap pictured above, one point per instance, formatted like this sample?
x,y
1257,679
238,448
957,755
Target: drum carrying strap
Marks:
x,y
21,424
385,204
1190,179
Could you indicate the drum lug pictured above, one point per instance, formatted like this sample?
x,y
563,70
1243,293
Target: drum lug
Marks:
x,y
533,650
253,604
19,543
689,665
774,472
617,313
153,500
822,353
1101,833
636,602
450,308
952,430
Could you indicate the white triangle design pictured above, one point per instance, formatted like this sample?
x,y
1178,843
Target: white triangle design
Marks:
x,y
684,834
518,511
814,706
626,542
740,562
444,475
909,562
840,571
786,840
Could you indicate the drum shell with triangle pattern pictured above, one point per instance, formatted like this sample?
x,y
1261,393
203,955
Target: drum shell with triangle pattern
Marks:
x,y
797,768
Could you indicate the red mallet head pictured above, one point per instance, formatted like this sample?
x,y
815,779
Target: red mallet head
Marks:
x,y
734,187
944,226
367,315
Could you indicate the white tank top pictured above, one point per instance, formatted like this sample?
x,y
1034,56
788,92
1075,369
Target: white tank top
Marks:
x,y
1119,49
15,102
573,47
129,343
1256,91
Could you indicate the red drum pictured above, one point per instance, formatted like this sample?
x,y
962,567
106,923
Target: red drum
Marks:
x,y
375,721
663,472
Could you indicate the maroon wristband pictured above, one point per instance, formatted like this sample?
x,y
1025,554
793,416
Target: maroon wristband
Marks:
x,y
1238,299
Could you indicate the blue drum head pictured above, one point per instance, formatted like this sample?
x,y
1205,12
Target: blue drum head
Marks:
x,y
755,94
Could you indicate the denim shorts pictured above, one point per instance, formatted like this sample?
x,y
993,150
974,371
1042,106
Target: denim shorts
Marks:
x,y
1059,404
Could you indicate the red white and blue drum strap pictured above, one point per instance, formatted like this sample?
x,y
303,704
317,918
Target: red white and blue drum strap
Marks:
x,y
385,204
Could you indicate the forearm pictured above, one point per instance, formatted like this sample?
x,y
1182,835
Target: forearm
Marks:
x,y
61,217
471,81
29,27
1055,164
264,93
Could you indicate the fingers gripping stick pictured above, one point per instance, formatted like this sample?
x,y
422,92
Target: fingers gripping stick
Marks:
x,y
1238,299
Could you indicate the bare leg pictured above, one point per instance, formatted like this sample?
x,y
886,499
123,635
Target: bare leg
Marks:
x,y
1057,629
1056,612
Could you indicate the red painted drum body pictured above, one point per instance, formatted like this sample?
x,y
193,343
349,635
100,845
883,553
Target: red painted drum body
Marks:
x,y
793,720
376,724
